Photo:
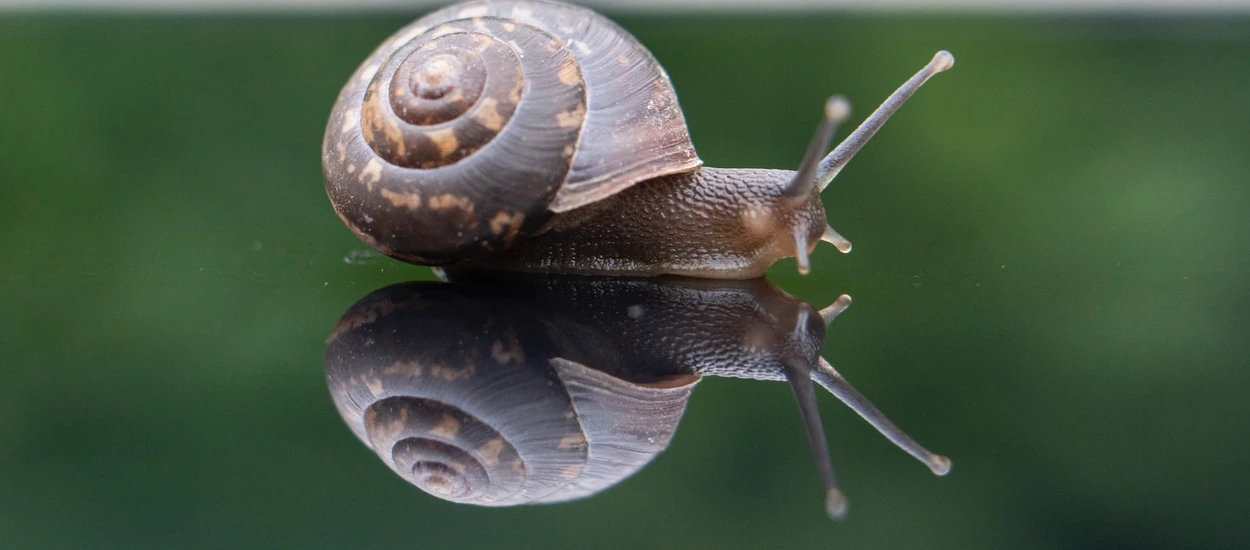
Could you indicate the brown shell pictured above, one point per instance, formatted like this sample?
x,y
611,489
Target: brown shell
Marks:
x,y
435,153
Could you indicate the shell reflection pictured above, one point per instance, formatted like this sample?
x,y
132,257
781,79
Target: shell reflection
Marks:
x,y
522,390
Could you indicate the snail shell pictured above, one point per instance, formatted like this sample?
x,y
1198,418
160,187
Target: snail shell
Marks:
x,y
467,401
468,128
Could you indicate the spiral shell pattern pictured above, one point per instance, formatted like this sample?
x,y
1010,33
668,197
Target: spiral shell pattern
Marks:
x,y
455,399
443,450
467,129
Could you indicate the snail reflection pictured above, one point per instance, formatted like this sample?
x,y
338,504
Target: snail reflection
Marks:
x,y
504,391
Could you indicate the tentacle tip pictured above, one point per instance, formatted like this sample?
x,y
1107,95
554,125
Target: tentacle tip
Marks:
x,y
943,61
804,269
837,108
835,504
835,309
838,241
940,465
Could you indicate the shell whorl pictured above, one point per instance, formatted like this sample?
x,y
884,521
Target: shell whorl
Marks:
x,y
443,450
469,128
459,140
440,100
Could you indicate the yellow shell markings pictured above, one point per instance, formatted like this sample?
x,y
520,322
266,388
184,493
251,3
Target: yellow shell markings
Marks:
x,y
349,121
448,201
481,39
372,173
572,118
373,113
375,386
575,440
570,473
515,95
503,222
389,431
398,199
570,74
445,141
490,451
488,114
446,145
449,374
448,427
409,368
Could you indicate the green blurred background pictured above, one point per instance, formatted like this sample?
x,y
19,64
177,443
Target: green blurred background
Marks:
x,y
1050,283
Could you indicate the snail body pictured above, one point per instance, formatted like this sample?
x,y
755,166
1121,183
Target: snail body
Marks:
x,y
537,136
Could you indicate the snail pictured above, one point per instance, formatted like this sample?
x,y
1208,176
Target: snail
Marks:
x,y
539,389
535,136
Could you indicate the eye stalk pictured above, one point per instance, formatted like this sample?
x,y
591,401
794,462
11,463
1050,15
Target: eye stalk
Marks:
x,y
815,173
832,164
803,186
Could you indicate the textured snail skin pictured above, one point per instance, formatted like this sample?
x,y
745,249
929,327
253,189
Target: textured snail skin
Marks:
x,y
714,223
735,328
542,389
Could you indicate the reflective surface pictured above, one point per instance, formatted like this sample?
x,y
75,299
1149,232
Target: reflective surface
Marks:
x,y
1049,278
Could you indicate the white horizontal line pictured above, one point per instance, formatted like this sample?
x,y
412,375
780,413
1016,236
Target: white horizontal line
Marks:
x,y
286,6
